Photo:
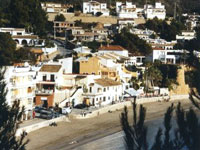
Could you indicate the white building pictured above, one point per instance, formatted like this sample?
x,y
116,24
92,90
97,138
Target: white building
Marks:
x,y
20,83
186,35
21,37
94,7
114,49
67,64
82,49
142,34
135,60
103,91
115,62
79,34
50,7
167,56
125,22
158,11
126,10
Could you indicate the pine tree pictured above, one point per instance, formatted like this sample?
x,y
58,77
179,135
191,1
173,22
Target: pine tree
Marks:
x,y
135,135
185,136
9,121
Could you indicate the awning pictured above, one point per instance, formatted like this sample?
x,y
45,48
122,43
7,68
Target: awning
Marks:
x,y
132,92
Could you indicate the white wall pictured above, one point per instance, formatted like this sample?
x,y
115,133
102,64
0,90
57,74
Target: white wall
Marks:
x,y
123,53
67,64
111,93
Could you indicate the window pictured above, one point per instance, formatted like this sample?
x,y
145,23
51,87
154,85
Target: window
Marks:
x,y
29,101
104,89
104,98
29,90
52,77
90,89
19,33
138,59
44,77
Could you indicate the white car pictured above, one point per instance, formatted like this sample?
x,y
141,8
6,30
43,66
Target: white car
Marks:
x,y
66,110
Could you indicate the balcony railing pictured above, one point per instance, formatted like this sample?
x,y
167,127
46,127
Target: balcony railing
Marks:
x,y
44,92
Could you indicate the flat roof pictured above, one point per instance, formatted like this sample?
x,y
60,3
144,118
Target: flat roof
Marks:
x,y
50,68
106,82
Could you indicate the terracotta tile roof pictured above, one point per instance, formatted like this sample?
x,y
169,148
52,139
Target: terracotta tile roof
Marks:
x,y
111,48
107,82
25,36
50,68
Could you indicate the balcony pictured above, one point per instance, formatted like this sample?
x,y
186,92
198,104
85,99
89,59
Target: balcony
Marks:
x,y
44,92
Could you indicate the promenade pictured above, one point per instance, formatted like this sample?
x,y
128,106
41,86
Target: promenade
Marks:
x,y
80,131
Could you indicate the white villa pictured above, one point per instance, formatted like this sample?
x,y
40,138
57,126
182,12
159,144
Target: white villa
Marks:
x,y
126,10
186,35
103,91
50,7
125,22
167,56
158,11
114,49
135,60
21,37
94,7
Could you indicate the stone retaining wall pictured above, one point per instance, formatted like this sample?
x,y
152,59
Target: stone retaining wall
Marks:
x,y
39,125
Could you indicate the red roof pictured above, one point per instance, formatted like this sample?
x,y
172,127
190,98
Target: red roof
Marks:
x,y
111,48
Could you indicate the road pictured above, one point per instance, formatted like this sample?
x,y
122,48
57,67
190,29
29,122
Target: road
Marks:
x,y
91,133
61,47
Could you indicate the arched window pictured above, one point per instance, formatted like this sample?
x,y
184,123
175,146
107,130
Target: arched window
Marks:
x,y
24,42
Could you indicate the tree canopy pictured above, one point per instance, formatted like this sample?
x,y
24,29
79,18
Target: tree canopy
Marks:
x,y
9,54
132,43
60,17
163,29
24,14
7,49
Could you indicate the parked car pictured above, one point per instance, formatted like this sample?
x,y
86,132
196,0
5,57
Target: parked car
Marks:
x,y
46,114
81,106
66,110
38,109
